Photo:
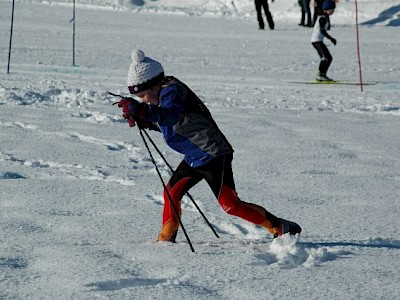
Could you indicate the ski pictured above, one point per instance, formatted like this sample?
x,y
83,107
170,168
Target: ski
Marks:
x,y
336,82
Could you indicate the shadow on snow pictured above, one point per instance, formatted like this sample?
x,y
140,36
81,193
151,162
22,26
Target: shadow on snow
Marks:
x,y
391,14
372,243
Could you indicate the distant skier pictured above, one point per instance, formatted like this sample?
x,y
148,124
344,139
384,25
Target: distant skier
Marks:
x,y
263,4
322,25
169,106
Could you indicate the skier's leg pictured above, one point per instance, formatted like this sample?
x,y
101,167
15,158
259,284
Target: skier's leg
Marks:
x,y
220,178
268,15
303,15
181,181
327,58
259,15
256,214
319,46
307,11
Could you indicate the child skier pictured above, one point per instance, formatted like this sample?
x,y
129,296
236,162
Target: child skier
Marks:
x,y
169,106
322,25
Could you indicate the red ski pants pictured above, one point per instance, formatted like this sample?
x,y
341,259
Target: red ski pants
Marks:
x,y
219,176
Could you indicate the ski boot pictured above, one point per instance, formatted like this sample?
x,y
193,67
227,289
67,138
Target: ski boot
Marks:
x,y
168,232
286,226
323,77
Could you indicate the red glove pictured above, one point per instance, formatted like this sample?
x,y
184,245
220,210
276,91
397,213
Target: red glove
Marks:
x,y
133,111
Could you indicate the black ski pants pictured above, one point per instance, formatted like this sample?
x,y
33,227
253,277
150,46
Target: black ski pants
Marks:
x,y
263,4
325,55
305,13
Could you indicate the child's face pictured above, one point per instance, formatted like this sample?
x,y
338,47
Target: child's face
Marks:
x,y
330,12
149,96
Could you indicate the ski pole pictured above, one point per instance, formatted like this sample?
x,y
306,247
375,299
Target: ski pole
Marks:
x,y
166,190
187,193
162,181
73,34
358,50
11,34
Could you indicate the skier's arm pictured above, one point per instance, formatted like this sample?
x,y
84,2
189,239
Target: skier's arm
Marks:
x,y
322,23
169,111
146,115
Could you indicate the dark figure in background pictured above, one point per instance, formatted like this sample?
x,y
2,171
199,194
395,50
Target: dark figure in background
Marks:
x,y
300,3
317,10
305,13
263,4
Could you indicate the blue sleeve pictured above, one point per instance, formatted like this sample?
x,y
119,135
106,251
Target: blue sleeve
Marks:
x,y
167,113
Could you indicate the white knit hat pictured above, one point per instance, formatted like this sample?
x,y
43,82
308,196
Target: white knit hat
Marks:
x,y
144,72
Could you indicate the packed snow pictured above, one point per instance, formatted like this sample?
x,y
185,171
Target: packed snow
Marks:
x,y
80,200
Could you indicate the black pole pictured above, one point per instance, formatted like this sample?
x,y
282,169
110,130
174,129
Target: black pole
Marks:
x,y
187,193
73,34
11,33
166,190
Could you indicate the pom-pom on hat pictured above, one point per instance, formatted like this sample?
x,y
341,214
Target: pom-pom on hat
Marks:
x,y
328,4
144,72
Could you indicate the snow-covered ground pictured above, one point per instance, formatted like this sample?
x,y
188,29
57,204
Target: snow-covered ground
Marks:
x,y
374,12
80,201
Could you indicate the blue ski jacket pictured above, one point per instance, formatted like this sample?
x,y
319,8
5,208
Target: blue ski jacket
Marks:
x,y
187,124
